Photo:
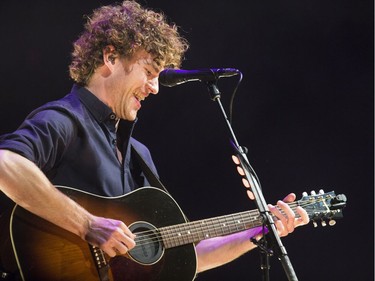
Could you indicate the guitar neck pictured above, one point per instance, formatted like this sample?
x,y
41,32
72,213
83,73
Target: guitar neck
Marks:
x,y
196,231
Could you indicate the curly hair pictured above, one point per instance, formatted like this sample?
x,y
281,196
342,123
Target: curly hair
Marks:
x,y
128,27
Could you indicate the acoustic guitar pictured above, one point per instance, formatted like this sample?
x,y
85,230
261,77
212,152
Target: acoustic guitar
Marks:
x,y
165,240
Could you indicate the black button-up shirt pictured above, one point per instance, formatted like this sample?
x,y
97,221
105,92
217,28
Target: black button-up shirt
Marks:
x,y
73,140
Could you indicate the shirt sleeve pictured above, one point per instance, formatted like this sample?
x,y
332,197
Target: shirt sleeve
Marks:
x,y
42,138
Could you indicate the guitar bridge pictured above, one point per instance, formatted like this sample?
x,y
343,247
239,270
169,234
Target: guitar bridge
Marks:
x,y
100,262
99,258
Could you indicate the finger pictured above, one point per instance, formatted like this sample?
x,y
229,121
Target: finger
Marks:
x,y
290,198
118,244
120,248
128,242
304,217
125,240
110,251
277,212
127,231
288,214
281,228
283,225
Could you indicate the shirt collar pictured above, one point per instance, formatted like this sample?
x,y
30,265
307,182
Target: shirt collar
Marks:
x,y
97,108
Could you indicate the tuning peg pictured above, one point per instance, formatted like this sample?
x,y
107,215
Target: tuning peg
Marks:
x,y
324,223
321,191
313,192
304,194
315,224
332,222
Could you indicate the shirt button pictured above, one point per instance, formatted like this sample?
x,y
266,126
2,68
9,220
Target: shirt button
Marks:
x,y
114,142
112,116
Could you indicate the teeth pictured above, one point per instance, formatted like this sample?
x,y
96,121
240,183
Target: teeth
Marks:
x,y
139,98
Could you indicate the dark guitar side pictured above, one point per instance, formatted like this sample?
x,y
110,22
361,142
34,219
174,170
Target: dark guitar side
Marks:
x,y
46,252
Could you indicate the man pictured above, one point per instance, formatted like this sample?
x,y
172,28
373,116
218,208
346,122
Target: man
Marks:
x,y
84,140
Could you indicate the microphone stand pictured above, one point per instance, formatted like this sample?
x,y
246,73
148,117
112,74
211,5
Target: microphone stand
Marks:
x,y
259,199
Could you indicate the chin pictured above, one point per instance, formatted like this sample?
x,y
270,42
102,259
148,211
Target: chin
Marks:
x,y
131,118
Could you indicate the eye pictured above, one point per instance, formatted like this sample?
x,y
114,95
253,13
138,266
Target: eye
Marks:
x,y
148,72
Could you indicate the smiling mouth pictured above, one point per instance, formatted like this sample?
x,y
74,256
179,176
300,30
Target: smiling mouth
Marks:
x,y
139,97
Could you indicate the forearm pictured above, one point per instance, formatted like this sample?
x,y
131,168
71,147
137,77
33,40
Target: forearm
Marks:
x,y
24,183
220,250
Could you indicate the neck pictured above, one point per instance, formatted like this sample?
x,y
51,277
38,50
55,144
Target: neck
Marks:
x,y
96,86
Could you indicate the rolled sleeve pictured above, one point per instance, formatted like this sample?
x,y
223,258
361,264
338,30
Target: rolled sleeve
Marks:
x,y
42,137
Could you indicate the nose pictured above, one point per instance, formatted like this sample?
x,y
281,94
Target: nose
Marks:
x,y
153,86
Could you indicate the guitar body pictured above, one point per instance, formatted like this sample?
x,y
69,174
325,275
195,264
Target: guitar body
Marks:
x,y
45,252
164,248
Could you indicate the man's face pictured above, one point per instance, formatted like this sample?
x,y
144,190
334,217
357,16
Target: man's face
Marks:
x,y
132,80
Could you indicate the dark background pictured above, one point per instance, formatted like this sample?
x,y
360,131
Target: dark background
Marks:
x,y
304,110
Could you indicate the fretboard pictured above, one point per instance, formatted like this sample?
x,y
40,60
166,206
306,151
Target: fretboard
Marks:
x,y
185,233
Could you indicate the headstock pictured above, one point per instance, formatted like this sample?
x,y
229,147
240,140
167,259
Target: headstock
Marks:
x,y
323,207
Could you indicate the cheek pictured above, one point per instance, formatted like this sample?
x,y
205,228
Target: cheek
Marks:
x,y
127,105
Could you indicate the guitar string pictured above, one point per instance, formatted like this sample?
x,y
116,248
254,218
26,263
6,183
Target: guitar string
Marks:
x,y
197,227
144,236
202,227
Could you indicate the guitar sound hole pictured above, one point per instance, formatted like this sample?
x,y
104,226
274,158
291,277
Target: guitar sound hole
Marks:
x,y
149,247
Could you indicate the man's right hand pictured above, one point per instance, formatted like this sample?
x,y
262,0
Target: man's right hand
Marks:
x,y
112,236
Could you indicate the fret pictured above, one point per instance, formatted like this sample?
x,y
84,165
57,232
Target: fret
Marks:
x,y
211,228
203,227
191,232
194,233
164,234
214,223
183,234
176,234
171,237
242,221
225,225
236,222
188,233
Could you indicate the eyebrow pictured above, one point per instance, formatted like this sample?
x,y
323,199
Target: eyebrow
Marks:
x,y
153,64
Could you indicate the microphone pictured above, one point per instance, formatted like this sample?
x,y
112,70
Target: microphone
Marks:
x,y
172,77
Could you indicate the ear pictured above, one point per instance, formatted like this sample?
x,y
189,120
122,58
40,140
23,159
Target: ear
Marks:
x,y
109,56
